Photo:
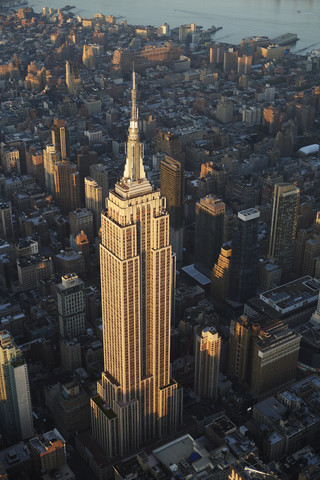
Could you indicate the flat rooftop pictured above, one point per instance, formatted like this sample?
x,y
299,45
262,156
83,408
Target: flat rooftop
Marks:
x,y
292,295
271,408
14,455
172,453
43,443
248,214
224,424
196,275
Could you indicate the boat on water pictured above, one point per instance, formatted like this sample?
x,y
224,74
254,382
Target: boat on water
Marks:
x,y
67,8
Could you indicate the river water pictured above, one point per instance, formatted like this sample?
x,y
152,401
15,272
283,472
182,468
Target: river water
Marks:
x,y
239,18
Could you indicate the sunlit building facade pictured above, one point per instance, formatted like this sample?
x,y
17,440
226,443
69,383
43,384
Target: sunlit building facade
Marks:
x,y
220,277
15,399
207,362
137,400
94,200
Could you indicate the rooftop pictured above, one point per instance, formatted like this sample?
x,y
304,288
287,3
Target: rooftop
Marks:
x,y
275,336
104,408
249,214
31,260
44,443
292,295
81,212
14,455
172,453
68,255
196,275
252,468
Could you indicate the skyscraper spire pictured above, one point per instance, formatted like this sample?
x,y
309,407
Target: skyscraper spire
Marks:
x,y
137,400
134,111
134,175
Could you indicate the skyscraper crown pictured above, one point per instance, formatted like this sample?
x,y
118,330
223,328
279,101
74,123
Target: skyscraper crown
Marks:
x,y
134,180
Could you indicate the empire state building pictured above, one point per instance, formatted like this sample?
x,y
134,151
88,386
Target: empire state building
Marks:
x,y
137,400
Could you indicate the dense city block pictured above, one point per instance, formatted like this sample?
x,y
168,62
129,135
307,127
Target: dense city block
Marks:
x,y
159,252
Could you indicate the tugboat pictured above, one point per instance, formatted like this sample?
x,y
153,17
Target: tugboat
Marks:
x,y
67,8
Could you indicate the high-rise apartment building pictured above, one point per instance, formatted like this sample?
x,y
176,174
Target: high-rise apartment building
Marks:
x,y
244,64
60,137
311,254
212,180
71,305
172,187
6,225
15,400
94,200
244,271
230,60
70,354
70,408
269,275
170,143
48,451
283,225
307,243
230,222
85,159
217,54
299,248
207,361
241,332
262,356
73,79
224,111
274,358
208,233
99,172
69,261
88,56
50,157
67,185
137,399
35,167
32,269
81,219
221,273
10,160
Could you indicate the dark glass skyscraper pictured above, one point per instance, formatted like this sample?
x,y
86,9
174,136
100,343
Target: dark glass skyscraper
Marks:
x,y
208,233
172,187
244,272
284,226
